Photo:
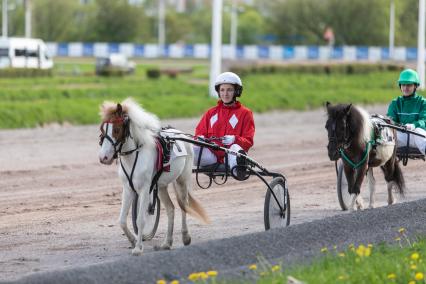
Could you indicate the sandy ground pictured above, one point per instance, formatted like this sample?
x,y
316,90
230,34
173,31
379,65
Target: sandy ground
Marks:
x,y
59,206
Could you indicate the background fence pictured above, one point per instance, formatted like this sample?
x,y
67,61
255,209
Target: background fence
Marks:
x,y
349,53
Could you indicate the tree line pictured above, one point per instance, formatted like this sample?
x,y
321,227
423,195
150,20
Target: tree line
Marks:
x,y
291,22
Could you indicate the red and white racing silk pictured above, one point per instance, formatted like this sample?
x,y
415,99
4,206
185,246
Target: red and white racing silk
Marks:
x,y
228,120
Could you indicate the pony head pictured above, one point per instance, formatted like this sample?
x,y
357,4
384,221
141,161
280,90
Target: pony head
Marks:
x,y
114,131
121,122
338,128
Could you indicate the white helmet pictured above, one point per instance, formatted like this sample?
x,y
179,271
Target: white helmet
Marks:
x,y
229,78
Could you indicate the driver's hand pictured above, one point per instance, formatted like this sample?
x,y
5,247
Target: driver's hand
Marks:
x,y
228,139
410,126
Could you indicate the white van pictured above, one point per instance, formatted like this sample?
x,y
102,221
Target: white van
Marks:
x,y
24,53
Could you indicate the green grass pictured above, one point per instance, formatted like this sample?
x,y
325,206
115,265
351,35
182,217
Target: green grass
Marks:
x,y
403,262
73,94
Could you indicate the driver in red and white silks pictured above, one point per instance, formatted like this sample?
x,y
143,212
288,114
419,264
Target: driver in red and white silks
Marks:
x,y
410,110
229,119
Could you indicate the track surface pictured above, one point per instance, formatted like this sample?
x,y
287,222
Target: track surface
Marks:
x,y
59,206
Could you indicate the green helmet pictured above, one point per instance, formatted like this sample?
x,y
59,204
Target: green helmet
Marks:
x,y
409,76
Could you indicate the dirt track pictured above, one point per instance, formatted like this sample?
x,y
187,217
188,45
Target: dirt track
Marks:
x,y
59,206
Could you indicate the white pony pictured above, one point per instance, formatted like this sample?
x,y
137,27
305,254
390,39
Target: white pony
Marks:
x,y
128,131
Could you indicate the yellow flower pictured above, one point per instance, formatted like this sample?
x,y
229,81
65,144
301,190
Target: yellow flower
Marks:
x,y
212,273
419,276
415,256
324,250
367,251
203,275
193,277
401,230
413,266
341,254
253,267
161,281
275,268
175,282
370,245
412,282
392,276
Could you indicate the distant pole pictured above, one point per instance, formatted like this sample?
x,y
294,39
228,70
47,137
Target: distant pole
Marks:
x,y
392,29
28,18
216,45
4,18
234,27
161,26
421,45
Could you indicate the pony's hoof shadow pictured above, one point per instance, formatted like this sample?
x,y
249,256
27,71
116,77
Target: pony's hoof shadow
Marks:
x,y
162,247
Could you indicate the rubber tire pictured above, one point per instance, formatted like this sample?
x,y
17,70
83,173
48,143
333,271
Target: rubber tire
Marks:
x,y
148,235
276,184
343,195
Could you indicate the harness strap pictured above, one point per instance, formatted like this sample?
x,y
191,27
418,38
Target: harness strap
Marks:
x,y
363,159
130,178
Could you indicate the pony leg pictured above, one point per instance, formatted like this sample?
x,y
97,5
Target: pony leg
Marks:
x,y
140,220
182,194
391,197
170,209
126,202
372,187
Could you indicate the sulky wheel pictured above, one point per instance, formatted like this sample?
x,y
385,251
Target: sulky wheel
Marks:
x,y
345,198
274,217
152,221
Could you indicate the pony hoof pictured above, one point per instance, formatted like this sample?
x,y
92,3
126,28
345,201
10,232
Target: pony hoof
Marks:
x,y
186,240
137,251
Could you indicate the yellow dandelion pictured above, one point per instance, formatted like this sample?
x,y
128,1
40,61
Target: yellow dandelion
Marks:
x,y
175,282
275,268
193,276
212,273
342,254
161,281
253,267
415,256
203,275
360,251
367,251
413,267
370,245
401,230
324,250
392,276
419,276
412,282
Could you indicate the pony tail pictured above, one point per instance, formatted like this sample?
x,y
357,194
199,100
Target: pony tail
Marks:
x,y
193,208
399,178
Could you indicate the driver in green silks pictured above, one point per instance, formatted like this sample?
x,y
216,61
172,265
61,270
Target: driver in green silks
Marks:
x,y
409,110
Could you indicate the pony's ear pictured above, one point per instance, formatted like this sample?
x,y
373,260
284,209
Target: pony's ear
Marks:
x,y
119,109
348,109
327,104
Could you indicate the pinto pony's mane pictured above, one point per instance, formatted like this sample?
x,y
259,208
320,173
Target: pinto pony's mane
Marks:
x,y
359,121
144,126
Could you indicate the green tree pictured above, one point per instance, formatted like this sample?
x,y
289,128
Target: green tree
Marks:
x,y
116,21
53,20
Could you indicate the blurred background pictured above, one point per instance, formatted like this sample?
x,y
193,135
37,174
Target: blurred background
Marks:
x,y
59,59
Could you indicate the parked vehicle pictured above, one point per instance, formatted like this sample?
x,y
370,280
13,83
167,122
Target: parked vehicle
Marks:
x,y
24,53
114,64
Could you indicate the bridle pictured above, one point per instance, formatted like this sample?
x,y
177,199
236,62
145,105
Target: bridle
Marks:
x,y
347,140
118,144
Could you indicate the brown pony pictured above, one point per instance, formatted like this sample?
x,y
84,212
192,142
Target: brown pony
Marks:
x,y
362,144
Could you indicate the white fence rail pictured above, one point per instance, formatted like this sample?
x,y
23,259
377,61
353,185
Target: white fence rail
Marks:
x,y
274,52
